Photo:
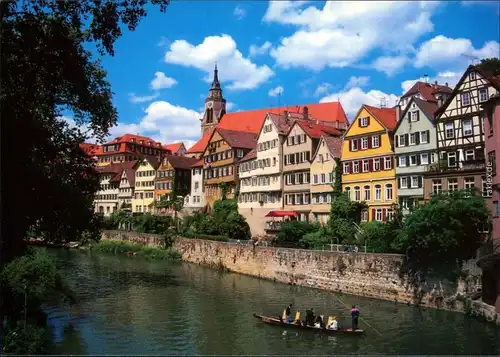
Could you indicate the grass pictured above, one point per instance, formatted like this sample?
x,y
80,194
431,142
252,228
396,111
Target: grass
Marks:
x,y
139,250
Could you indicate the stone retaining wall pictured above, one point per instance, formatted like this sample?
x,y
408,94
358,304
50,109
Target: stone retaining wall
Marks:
x,y
363,274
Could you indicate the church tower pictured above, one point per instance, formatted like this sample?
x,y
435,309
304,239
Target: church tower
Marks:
x,y
215,105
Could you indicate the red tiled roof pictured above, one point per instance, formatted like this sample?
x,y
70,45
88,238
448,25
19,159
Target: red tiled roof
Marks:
x,y
427,90
181,162
281,123
251,121
173,147
198,163
429,108
334,144
386,116
316,131
91,149
116,169
134,139
238,139
250,156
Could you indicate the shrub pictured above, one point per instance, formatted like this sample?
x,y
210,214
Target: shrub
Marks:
x,y
120,247
293,231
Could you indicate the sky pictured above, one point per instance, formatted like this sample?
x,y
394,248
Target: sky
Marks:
x,y
280,53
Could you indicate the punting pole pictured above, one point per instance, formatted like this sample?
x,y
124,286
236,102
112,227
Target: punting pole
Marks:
x,y
347,307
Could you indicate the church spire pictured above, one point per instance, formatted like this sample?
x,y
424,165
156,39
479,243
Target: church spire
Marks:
x,y
215,82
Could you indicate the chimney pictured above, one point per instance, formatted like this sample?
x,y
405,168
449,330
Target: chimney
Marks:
x,y
398,112
306,113
285,114
446,84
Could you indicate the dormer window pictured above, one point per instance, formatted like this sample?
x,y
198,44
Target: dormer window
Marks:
x,y
132,140
141,142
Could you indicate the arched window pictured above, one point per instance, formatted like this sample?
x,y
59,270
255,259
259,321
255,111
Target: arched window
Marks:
x,y
378,192
388,192
348,192
357,194
366,193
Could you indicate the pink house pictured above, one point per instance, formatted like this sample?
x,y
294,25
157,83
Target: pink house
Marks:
x,y
491,263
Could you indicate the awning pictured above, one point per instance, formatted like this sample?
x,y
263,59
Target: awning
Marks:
x,y
281,214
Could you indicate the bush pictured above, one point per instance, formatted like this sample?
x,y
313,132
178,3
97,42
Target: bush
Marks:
x,y
292,232
142,223
31,340
155,253
378,236
316,240
191,234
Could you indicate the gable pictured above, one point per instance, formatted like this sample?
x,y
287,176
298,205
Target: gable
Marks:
x,y
267,130
213,145
321,149
296,130
356,129
423,120
145,166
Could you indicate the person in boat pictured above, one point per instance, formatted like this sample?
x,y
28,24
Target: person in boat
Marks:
x,y
288,311
310,317
355,316
334,325
319,322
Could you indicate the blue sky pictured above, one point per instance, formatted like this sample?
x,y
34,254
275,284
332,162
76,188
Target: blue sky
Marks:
x,y
358,52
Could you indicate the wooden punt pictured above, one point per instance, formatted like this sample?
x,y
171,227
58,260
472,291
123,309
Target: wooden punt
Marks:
x,y
275,320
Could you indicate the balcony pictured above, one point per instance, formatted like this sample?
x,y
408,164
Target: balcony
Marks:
x,y
442,166
272,226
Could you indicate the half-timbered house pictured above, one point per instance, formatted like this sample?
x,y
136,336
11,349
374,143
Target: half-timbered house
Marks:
x,y
460,135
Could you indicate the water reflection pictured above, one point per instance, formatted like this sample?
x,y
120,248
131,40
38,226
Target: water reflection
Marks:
x,y
130,306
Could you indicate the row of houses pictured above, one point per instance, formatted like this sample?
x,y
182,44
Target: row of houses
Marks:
x,y
280,162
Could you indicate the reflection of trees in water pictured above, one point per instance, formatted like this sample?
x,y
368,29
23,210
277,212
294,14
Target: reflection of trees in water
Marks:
x,y
71,342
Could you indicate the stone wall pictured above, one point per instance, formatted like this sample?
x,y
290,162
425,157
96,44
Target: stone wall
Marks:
x,y
363,274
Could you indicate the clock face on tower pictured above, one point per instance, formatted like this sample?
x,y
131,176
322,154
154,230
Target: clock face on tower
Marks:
x,y
209,105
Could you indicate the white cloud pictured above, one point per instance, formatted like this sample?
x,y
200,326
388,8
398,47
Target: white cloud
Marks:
x,y
133,98
322,89
230,106
361,81
259,50
161,81
275,91
164,122
334,36
239,71
239,12
390,65
443,52
449,77
355,97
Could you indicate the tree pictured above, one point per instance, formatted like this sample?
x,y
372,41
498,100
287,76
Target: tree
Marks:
x,y
344,216
292,232
47,72
337,185
491,65
443,233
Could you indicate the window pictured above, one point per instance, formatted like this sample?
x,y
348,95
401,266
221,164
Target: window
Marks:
x,y
452,185
364,215
357,194
376,164
366,191
424,137
472,75
363,122
388,192
375,141
469,155
239,153
354,145
315,179
402,160
413,160
424,158
320,158
413,140
465,99
378,192
483,94
364,143
346,167
401,140
378,214
452,159
387,163
403,182
348,192
365,166
496,212
469,183
436,186
355,166
414,181
414,116
467,127
449,131
323,178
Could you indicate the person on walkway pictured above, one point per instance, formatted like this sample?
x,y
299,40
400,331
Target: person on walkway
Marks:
x,y
288,311
355,317
310,317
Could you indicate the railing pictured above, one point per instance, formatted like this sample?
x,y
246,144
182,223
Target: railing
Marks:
x,y
471,165
273,226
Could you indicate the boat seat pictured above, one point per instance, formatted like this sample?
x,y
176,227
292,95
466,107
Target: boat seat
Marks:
x,y
297,316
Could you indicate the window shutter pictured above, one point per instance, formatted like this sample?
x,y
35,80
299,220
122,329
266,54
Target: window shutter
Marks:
x,y
407,160
370,165
417,138
359,143
407,140
350,167
350,144
418,115
379,140
359,122
428,136
420,182
373,214
399,182
367,121
418,159
409,116
360,165
396,140
370,138
384,214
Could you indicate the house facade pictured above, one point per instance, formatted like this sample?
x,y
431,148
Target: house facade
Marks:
x,y
415,147
368,166
106,198
460,137
221,159
196,199
126,188
145,175
323,176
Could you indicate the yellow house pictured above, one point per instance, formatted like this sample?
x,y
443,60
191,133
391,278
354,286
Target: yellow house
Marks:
x,y
368,165
144,193
322,176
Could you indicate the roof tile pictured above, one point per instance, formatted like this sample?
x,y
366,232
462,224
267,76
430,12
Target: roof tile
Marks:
x,y
386,116
334,144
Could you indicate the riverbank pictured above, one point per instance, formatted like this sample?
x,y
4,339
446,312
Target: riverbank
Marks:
x,y
137,250
371,275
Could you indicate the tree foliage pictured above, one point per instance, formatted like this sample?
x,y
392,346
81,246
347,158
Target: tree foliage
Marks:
x,y
344,214
492,65
292,232
47,72
337,185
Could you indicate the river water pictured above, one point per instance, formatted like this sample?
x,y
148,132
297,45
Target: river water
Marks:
x,y
130,306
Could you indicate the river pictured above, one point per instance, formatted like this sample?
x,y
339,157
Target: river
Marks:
x,y
130,306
